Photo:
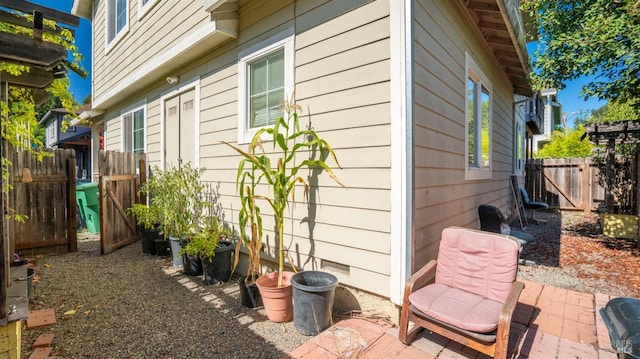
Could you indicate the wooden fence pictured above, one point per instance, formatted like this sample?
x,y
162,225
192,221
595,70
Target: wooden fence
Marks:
x,y
118,191
44,191
565,183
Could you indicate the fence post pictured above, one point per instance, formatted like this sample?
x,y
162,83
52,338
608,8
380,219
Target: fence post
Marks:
x,y
72,223
586,186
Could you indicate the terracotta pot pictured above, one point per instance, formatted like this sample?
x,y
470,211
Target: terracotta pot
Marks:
x,y
278,302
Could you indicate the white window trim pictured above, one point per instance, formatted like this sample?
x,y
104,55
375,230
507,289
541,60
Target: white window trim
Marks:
x,y
476,173
284,40
131,110
144,9
519,126
108,45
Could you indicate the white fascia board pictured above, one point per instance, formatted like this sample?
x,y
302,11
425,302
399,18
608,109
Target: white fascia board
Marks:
x,y
82,8
401,148
191,47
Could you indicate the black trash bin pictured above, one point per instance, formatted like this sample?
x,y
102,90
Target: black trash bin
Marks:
x,y
622,318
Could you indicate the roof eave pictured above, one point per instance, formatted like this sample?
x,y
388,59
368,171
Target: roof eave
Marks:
x,y
82,8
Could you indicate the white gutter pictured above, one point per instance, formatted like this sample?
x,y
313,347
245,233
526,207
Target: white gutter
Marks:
x,y
86,115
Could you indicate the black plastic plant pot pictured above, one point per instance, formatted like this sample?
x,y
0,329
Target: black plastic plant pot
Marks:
x,y
191,265
148,238
218,269
249,293
313,293
163,248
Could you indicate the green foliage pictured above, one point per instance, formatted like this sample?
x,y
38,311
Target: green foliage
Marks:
x,y
212,229
566,143
148,217
281,175
178,193
592,37
613,112
18,124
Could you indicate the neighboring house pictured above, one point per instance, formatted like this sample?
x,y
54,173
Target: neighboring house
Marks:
x,y
74,137
422,101
553,118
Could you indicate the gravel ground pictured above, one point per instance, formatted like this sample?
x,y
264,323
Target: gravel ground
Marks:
x,y
570,252
133,305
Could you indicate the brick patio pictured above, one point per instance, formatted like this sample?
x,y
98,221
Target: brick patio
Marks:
x,y
549,322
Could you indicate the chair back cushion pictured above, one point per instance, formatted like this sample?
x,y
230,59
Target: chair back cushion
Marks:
x,y
491,219
478,262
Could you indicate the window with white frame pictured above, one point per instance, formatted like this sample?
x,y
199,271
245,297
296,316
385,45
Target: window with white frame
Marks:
x,y
478,115
144,6
133,131
265,75
117,19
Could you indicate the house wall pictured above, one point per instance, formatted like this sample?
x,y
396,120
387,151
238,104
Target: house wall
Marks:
x,y
342,75
442,196
164,25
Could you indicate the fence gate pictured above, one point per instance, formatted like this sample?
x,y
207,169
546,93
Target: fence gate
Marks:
x,y
118,189
564,183
44,191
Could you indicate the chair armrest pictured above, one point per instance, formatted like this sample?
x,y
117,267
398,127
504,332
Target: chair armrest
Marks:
x,y
420,278
511,302
504,325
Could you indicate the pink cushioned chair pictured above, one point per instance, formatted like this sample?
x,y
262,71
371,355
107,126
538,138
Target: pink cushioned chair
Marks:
x,y
468,294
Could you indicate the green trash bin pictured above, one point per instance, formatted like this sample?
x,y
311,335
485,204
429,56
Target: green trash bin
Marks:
x,y
87,198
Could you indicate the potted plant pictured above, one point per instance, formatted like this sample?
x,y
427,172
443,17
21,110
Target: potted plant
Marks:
x,y
148,219
178,193
281,176
212,246
249,218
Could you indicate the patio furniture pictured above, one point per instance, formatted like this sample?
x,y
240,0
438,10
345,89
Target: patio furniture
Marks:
x,y
492,220
532,205
468,294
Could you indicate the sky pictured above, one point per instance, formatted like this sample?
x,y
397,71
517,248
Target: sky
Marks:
x,y
80,88
573,105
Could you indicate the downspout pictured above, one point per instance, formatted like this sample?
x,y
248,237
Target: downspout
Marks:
x,y
401,116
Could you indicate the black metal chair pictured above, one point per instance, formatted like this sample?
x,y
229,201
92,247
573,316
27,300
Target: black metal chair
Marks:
x,y
532,205
492,220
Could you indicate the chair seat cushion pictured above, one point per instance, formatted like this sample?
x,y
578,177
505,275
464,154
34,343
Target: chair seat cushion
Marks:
x,y
457,307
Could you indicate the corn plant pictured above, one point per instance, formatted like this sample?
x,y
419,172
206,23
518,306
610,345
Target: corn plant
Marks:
x,y
249,217
282,175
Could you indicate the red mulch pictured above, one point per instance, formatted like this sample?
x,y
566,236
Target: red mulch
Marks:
x,y
579,244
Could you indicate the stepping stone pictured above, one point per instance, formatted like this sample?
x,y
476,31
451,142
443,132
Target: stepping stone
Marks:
x,y
41,353
41,318
43,341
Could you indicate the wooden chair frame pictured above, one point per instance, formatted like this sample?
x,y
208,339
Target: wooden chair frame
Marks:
x,y
497,349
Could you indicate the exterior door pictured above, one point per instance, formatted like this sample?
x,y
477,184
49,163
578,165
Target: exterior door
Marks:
x,y
180,130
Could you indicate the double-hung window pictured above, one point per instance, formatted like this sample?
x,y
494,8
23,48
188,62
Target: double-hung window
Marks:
x,y
478,114
117,20
133,131
265,76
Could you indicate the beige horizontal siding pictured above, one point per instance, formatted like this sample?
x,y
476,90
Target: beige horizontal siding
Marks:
x,y
442,195
342,74
146,38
